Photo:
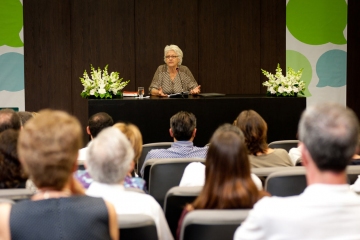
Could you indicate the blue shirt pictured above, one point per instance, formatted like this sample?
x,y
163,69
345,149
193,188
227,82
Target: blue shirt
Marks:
x,y
179,149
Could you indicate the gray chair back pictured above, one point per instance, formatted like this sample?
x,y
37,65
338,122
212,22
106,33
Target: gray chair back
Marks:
x,y
284,144
289,182
353,171
212,224
16,194
137,227
150,146
175,201
165,174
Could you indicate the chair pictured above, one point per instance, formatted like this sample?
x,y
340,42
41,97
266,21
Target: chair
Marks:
x,y
16,194
353,171
175,201
137,227
284,144
289,182
150,146
165,174
212,224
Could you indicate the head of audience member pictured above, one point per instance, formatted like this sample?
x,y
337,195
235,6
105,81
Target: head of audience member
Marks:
x,y
48,147
9,119
329,135
98,122
133,134
254,128
12,174
24,117
228,183
183,126
109,157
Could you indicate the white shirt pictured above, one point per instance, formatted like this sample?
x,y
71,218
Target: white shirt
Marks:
x,y
194,175
294,154
322,211
128,202
82,154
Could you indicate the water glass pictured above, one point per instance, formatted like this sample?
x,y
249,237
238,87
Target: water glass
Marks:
x,y
141,92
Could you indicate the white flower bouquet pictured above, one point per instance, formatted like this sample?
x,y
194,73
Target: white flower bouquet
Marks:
x,y
101,84
280,85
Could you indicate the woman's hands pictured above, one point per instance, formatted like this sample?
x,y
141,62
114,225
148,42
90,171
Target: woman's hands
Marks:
x,y
161,93
195,90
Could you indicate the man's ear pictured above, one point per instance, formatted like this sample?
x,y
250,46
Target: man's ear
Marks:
x,y
171,133
194,133
88,130
305,155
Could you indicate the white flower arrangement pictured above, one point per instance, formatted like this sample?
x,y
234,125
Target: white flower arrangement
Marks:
x,y
280,85
101,84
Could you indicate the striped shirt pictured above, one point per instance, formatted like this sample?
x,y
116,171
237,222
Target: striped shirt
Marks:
x,y
179,149
184,82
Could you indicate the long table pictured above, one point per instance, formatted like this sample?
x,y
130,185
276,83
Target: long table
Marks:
x,y
152,115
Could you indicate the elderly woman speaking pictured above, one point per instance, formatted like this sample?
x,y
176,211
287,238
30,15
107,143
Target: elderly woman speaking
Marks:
x,y
172,77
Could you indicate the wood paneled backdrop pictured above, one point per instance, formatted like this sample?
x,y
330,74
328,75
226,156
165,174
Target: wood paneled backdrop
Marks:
x,y
225,43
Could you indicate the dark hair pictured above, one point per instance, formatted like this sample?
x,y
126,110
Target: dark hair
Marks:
x,y
9,119
98,122
330,132
254,128
228,183
182,125
12,174
24,117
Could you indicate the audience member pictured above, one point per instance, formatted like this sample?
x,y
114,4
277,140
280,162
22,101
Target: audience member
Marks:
x,y
228,183
254,128
96,123
110,157
24,117
134,136
194,173
47,147
183,131
9,119
327,209
12,175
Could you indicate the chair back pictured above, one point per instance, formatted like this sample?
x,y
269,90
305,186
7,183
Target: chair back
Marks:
x,y
137,227
289,182
165,174
284,144
353,171
175,201
150,146
212,224
16,194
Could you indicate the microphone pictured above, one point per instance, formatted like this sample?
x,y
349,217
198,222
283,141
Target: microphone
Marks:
x,y
183,94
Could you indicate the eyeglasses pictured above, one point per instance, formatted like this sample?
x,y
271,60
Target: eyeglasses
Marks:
x,y
168,57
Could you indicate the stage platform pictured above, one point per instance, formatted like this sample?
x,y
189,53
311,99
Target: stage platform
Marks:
x,y
152,115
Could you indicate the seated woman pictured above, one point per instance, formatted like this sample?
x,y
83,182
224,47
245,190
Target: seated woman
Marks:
x,y
12,175
228,183
194,173
133,134
172,77
254,128
48,147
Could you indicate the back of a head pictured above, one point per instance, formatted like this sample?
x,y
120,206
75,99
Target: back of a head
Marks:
x,y
24,117
48,146
12,173
254,128
9,119
228,183
182,125
133,133
98,122
109,156
330,132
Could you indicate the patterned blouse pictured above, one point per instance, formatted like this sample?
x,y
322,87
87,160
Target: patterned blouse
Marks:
x,y
162,79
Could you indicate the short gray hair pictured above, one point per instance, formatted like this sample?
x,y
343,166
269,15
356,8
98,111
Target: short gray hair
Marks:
x,y
109,156
330,132
176,49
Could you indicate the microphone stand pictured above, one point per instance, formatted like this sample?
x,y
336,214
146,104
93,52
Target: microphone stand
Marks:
x,y
182,84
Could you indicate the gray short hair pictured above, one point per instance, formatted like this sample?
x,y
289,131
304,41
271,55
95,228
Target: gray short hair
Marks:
x,y
109,156
330,132
176,49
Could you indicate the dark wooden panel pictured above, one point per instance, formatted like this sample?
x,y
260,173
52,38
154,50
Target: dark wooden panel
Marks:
x,y
353,60
160,23
47,55
229,46
273,36
102,32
